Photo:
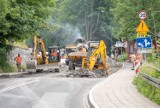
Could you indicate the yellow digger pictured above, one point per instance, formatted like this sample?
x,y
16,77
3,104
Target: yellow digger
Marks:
x,y
39,55
94,59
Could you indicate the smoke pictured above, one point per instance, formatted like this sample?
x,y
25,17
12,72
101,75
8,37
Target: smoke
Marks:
x,y
69,34
64,34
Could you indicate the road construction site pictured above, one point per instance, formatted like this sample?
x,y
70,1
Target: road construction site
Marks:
x,y
87,79
48,70
49,89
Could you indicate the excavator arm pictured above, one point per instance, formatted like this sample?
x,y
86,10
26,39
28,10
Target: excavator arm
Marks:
x,y
37,58
94,54
43,50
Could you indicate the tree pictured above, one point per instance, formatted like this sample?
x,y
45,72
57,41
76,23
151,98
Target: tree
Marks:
x,y
92,17
22,18
126,20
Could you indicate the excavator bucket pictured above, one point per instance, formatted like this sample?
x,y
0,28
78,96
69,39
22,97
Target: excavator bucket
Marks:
x,y
31,65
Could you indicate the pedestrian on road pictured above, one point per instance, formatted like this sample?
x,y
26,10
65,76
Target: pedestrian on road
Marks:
x,y
18,60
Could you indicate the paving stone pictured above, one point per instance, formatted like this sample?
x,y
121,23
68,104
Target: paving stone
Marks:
x,y
119,92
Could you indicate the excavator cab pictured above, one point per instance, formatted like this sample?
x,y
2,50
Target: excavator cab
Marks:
x,y
54,54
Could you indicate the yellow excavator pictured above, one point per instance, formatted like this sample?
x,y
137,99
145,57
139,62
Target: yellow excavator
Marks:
x,y
39,55
94,59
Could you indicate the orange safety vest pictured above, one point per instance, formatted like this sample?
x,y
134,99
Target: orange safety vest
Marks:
x,y
139,57
54,53
18,59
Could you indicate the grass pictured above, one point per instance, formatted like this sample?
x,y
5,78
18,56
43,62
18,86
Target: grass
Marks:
x,y
147,90
153,59
150,71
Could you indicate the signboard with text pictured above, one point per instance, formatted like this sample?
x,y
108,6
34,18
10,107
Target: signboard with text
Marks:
x,y
146,50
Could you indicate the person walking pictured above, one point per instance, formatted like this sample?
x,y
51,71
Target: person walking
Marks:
x,y
18,60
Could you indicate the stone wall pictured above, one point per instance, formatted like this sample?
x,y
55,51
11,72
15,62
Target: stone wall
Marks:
x,y
25,54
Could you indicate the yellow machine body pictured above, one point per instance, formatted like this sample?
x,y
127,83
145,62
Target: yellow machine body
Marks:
x,y
39,55
97,58
94,59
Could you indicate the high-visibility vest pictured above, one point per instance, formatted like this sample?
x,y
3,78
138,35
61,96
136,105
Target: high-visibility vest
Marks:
x,y
54,53
139,56
18,59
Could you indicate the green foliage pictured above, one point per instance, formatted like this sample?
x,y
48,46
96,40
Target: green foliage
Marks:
x,y
147,90
153,59
22,18
150,71
122,57
125,56
92,17
126,19
4,65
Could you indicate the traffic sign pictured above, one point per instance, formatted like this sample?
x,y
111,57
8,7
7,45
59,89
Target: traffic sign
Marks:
x,y
142,14
142,27
146,50
144,42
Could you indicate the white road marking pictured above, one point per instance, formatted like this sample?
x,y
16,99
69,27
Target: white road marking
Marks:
x,y
15,86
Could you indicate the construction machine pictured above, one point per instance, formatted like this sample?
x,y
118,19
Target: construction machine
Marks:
x,y
93,60
77,46
39,55
69,48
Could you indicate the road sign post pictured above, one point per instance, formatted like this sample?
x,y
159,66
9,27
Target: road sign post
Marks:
x,y
143,43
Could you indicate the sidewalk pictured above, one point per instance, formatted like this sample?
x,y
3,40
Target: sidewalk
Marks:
x,y
117,91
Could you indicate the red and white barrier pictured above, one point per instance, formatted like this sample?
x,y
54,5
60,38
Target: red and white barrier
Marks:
x,y
136,66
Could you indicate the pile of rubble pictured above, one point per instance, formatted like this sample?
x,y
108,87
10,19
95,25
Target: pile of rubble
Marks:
x,y
80,73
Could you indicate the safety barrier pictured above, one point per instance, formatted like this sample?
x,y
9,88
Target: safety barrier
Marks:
x,y
151,80
136,66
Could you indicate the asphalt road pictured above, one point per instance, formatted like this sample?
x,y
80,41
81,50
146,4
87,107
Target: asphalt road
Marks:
x,y
45,92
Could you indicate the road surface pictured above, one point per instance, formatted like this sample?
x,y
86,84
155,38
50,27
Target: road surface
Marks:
x,y
45,92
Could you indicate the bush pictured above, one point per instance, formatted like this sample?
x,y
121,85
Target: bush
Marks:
x,y
122,57
153,59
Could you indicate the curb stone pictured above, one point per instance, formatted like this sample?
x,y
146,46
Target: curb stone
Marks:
x,y
92,102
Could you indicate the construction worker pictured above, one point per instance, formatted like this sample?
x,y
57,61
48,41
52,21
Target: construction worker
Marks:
x,y
54,55
18,60
133,58
139,57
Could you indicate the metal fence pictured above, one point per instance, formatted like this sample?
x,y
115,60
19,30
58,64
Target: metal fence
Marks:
x,y
151,80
